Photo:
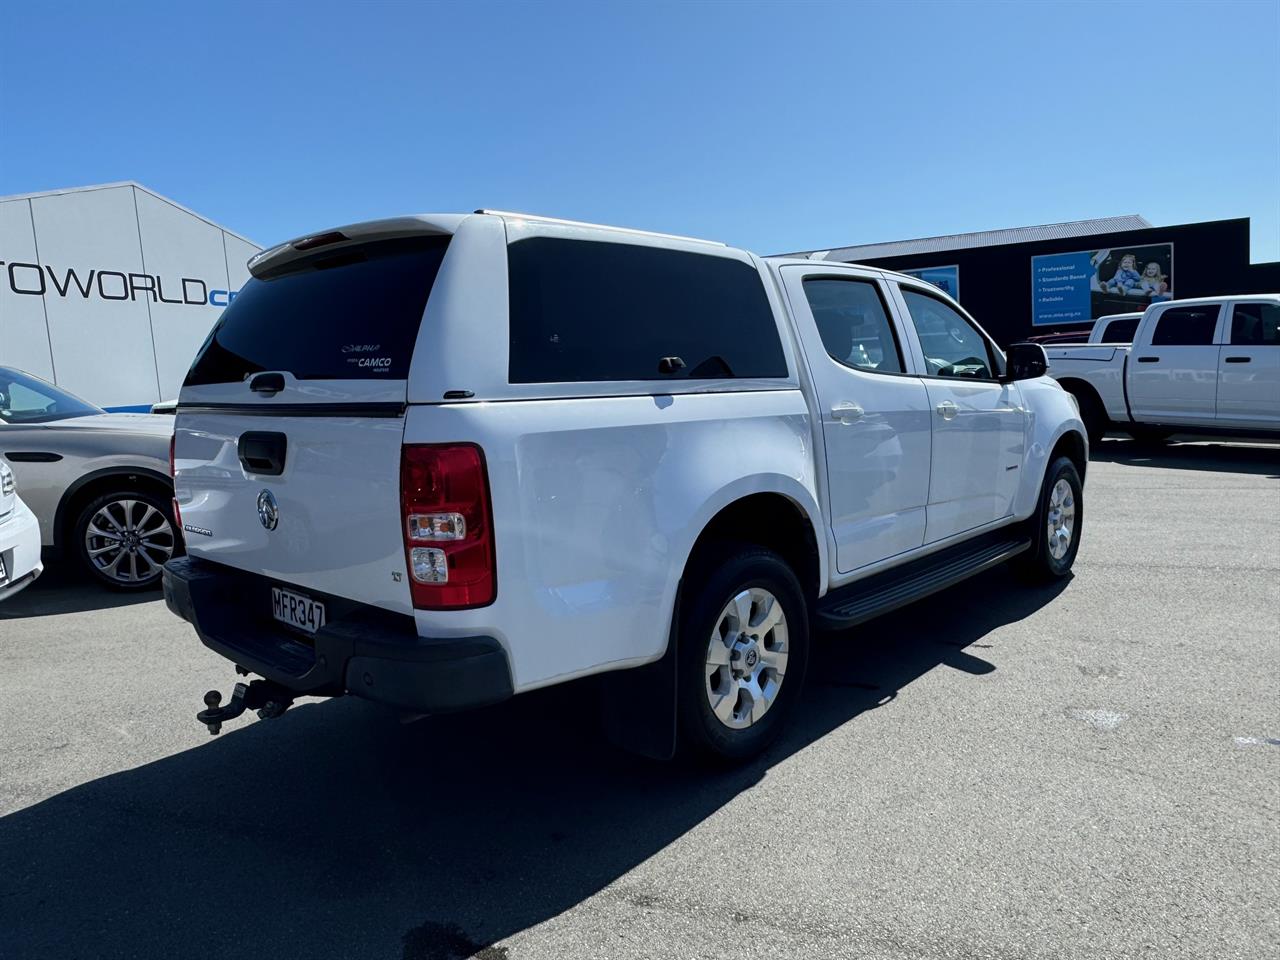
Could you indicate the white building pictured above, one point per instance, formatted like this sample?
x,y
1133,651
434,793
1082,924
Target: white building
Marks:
x,y
109,291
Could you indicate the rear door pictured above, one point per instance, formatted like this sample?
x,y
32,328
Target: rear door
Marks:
x,y
290,423
874,413
1249,366
1173,378
979,424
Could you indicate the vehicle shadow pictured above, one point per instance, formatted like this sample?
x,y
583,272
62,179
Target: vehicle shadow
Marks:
x,y
1258,458
336,832
61,591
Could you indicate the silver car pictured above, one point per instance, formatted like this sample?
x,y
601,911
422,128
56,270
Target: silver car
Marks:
x,y
98,482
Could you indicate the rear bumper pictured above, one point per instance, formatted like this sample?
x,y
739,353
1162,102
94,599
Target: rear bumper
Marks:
x,y
20,550
364,650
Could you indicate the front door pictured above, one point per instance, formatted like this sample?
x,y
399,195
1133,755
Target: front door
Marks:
x,y
979,424
1174,378
874,414
1249,367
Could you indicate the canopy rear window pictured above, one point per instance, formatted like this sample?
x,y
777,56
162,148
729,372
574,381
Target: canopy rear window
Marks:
x,y
348,314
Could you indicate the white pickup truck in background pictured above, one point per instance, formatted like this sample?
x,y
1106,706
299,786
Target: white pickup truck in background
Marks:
x,y
1208,366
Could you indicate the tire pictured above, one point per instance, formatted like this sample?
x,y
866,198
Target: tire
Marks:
x,y
122,539
754,680
1049,560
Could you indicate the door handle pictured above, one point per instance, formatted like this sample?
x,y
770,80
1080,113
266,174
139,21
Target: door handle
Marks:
x,y
1148,359
1238,359
847,412
948,410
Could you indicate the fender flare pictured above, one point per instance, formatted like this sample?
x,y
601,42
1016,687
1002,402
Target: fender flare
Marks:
x,y
61,516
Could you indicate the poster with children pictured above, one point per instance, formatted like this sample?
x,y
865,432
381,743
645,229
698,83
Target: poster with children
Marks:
x,y
1075,287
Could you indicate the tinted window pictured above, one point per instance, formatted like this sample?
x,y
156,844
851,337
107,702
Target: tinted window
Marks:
x,y
1120,331
1255,324
854,324
349,314
1185,327
28,399
588,311
953,347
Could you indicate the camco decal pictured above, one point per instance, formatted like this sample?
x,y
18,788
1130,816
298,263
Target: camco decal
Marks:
x,y
36,280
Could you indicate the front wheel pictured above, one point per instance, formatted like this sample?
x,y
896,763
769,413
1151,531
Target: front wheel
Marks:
x,y
123,539
1059,520
743,649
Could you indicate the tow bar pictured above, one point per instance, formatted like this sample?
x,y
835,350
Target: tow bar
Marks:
x,y
269,699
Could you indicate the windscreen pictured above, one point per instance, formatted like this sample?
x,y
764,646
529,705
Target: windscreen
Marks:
x,y
349,314
28,399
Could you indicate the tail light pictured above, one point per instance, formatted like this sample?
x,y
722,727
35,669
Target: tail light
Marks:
x,y
448,530
173,476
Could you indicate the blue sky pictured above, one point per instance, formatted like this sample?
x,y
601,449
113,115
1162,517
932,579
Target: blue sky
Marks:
x,y
773,126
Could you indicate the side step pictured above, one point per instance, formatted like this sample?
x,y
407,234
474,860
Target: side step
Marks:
x,y
882,592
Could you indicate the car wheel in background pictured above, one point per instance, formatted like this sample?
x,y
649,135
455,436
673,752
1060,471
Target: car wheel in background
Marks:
x,y
744,645
123,539
1058,523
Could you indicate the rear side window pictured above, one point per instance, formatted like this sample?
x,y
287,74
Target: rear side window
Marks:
x,y
349,314
1255,324
1185,327
1120,331
854,324
588,311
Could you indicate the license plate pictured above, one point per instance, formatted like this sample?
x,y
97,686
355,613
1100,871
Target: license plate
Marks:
x,y
297,610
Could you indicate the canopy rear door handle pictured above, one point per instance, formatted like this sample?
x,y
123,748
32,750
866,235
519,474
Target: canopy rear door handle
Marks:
x,y
847,412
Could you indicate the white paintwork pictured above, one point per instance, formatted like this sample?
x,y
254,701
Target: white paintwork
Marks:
x,y
128,352
19,541
1187,386
1248,393
599,491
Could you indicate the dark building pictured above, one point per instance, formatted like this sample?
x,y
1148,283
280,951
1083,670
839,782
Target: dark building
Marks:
x,y
1061,277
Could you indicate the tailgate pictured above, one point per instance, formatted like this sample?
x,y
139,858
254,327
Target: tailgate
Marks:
x,y
289,427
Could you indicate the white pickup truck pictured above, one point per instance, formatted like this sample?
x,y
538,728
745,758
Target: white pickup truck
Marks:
x,y
1209,366
439,460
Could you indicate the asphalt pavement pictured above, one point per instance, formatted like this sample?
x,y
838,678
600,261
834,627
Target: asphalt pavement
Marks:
x,y
1085,770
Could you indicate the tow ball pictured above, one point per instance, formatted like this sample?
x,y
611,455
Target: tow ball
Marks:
x,y
269,699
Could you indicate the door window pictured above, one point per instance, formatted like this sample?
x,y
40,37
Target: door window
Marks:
x,y
952,345
1255,324
1186,327
854,324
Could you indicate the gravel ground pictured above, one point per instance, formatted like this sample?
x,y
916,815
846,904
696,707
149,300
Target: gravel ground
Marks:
x,y
1090,770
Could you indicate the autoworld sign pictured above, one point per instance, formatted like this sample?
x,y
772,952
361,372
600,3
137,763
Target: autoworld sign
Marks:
x,y
38,280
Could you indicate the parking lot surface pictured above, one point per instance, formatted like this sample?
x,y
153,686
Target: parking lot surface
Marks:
x,y
1085,770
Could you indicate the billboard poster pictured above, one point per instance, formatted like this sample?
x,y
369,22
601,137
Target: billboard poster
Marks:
x,y
1079,287
946,279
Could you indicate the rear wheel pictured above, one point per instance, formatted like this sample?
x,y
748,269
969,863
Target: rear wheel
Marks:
x,y
123,539
1059,519
1092,414
744,645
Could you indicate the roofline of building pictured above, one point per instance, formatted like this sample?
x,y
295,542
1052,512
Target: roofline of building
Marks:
x,y
137,186
809,254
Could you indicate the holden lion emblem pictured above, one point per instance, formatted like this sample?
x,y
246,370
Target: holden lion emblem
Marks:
x,y
268,510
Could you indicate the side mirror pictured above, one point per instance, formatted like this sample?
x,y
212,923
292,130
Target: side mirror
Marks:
x,y
1026,361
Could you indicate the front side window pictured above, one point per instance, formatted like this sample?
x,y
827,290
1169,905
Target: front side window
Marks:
x,y
589,311
952,345
854,324
1255,324
1185,327
28,399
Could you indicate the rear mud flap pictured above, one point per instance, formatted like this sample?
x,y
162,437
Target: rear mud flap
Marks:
x,y
638,706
